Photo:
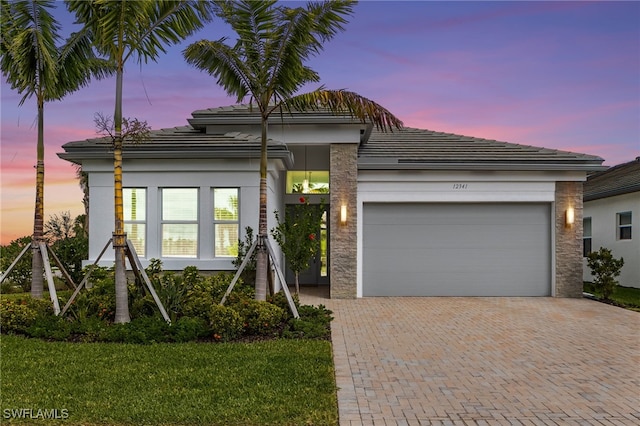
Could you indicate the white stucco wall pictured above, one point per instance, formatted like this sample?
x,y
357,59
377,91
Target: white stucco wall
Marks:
x,y
604,231
157,174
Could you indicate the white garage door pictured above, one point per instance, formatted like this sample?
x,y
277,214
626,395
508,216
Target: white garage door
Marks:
x,y
413,249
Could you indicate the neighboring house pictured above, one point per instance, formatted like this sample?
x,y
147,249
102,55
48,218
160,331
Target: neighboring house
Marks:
x,y
612,218
410,212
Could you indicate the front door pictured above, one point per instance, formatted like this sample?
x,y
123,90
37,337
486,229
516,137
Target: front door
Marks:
x,y
318,272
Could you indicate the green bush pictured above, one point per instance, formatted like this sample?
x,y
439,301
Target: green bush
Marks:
x,y
260,318
143,330
21,272
280,299
50,327
17,315
604,268
314,323
225,323
209,291
98,301
187,329
198,316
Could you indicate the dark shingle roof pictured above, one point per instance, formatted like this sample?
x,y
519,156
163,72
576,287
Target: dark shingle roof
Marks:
x,y
178,142
411,148
617,180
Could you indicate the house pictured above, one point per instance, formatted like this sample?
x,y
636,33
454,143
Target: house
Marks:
x,y
409,213
611,212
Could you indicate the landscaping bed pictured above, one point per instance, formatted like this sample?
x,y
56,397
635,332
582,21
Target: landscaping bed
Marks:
x,y
623,297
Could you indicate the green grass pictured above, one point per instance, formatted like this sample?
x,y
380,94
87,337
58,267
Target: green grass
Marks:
x,y
626,297
279,382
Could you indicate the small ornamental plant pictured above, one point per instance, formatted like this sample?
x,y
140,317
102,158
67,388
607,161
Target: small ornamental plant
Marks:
x,y
296,235
604,267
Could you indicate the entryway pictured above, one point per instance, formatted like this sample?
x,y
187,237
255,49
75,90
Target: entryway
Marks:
x,y
318,272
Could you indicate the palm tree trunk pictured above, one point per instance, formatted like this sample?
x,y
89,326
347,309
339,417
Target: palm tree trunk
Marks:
x,y
261,257
37,265
119,237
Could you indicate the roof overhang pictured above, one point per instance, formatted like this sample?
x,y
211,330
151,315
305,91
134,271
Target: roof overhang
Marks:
x,y
395,164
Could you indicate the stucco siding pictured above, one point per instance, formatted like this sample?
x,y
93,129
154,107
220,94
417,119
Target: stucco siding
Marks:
x,y
603,214
153,176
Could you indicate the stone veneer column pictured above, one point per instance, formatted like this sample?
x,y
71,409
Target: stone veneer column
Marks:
x,y
568,240
343,242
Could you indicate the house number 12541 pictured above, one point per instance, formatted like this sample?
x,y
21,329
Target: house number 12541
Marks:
x,y
459,186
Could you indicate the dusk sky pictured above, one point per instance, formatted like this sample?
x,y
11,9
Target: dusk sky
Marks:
x,y
562,75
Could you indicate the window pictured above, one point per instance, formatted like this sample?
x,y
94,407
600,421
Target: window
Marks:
x,y
225,222
586,236
308,182
135,216
624,226
179,222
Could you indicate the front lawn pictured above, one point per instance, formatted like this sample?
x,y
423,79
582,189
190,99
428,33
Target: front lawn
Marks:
x,y
626,297
278,382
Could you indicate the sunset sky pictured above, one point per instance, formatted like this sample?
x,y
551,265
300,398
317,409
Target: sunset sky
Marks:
x,y
563,75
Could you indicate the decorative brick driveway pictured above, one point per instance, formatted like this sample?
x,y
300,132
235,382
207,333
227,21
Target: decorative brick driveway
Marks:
x,y
485,361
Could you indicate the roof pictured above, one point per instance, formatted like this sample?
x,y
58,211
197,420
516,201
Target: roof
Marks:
x,y
249,114
410,148
617,180
209,136
178,142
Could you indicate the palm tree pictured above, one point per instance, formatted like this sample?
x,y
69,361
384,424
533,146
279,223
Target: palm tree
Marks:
x,y
267,64
35,66
122,30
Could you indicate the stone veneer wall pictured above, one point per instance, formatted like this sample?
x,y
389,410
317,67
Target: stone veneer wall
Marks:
x,y
568,240
343,242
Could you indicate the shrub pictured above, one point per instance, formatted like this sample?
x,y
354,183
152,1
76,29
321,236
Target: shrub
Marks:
x,y
225,323
16,316
280,299
312,324
50,327
144,330
21,272
187,329
260,318
98,301
220,283
208,292
604,268
248,275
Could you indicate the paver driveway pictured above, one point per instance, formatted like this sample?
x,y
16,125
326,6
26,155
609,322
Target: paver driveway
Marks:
x,y
488,361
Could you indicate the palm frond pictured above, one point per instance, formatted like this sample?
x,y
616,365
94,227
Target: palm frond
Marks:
x,y
222,62
29,47
78,63
345,102
170,22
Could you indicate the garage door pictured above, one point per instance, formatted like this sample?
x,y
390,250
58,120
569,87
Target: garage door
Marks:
x,y
456,249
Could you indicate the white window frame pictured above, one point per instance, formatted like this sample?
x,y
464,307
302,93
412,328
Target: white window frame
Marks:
x,y
141,247
164,221
620,226
217,222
